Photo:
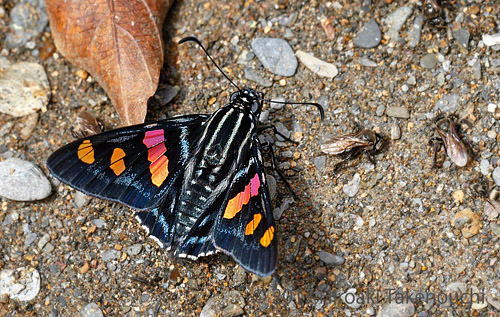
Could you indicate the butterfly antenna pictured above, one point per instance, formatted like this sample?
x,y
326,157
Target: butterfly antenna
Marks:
x,y
194,39
317,105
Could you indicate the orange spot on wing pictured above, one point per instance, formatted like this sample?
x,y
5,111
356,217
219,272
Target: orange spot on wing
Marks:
x,y
236,203
268,236
86,152
252,225
159,170
117,163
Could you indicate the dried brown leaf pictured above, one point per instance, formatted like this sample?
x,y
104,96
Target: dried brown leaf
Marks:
x,y
118,42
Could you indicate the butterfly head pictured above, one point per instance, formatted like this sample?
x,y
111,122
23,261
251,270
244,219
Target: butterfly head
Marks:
x,y
248,99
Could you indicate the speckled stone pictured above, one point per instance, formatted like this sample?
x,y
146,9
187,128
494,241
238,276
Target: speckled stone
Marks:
x,y
369,36
23,181
276,55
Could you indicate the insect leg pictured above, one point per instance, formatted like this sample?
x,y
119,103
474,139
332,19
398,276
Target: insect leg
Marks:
x,y
278,171
275,130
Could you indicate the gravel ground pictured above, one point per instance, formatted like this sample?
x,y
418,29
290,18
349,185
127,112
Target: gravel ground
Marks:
x,y
356,234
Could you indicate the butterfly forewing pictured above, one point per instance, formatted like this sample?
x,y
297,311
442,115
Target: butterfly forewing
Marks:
x,y
245,226
135,165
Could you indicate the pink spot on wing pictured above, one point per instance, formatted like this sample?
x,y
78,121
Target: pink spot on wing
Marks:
x,y
153,137
254,185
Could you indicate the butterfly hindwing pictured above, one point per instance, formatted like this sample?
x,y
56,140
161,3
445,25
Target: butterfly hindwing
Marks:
x,y
245,227
134,165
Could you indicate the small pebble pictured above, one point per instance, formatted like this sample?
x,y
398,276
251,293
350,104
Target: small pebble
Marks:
x,y
491,40
496,175
91,310
252,75
397,310
448,103
276,55
485,167
28,19
20,284
330,259
462,36
279,104
134,249
380,110
369,36
395,132
367,62
81,199
397,112
396,20
492,107
350,299
23,181
317,66
352,187
24,89
415,31
320,162
429,61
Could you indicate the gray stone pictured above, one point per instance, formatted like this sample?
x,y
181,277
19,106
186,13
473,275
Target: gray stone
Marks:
x,y
429,61
397,310
48,248
397,112
352,187
415,31
276,55
271,185
81,199
21,284
395,21
23,181
134,249
476,69
395,132
485,167
457,287
369,36
99,223
330,259
448,103
491,40
252,75
110,255
380,110
279,104
496,175
91,310
350,298
28,18
43,241
462,36
278,211
24,89
317,66
367,62
320,162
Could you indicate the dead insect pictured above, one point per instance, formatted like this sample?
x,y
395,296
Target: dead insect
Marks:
x,y
432,11
349,146
87,125
448,136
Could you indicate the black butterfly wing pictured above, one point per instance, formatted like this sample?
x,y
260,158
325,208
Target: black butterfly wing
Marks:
x,y
136,165
244,227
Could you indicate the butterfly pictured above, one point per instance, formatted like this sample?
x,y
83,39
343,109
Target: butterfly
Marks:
x,y
197,181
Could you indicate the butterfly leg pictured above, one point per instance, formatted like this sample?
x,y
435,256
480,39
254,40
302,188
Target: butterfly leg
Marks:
x,y
278,171
275,130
